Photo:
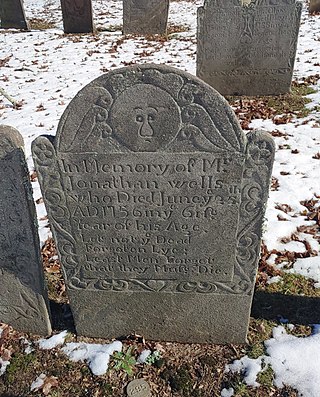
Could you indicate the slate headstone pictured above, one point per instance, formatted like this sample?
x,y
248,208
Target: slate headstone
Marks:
x,y
23,299
248,49
156,200
12,14
314,6
77,16
145,16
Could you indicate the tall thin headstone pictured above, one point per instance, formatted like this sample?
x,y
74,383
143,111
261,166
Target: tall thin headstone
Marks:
x,y
23,299
145,16
248,47
77,16
12,14
156,200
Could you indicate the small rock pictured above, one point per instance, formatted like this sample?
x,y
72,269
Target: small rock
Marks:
x,y
138,388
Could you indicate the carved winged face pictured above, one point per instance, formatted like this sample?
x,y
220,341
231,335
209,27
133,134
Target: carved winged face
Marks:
x,y
145,118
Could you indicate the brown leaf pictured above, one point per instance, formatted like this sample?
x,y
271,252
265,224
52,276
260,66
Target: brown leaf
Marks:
x,y
49,382
53,268
284,207
6,354
5,60
274,183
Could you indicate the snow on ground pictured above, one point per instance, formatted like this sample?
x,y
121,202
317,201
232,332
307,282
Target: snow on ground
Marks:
x,y
97,355
3,366
53,342
46,69
295,362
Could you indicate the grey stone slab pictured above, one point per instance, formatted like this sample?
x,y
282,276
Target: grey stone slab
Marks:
x,y
248,48
156,200
314,6
23,299
12,14
145,16
77,16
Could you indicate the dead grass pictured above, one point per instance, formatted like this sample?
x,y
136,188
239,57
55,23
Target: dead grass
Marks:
x,y
280,109
40,24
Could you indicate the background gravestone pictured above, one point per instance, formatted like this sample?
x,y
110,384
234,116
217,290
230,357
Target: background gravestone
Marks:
x,y
77,16
12,14
23,300
314,6
248,49
145,16
156,200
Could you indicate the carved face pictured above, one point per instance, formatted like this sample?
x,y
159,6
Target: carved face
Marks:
x,y
145,118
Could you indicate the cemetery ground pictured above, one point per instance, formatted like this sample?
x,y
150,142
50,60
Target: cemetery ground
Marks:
x,y
42,70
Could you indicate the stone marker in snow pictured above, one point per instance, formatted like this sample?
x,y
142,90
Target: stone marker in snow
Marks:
x,y
77,16
314,6
12,14
22,294
156,200
248,49
145,16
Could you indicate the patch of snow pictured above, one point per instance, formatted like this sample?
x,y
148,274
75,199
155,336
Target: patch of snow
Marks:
x,y
249,367
290,327
3,366
271,260
38,383
53,342
308,267
274,279
294,360
97,355
28,346
143,356
227,392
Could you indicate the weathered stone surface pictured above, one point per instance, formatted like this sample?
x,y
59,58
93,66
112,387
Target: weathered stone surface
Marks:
x,y
314,6
22,294
77,16
248,49
138,388
145,16
156,200
12,14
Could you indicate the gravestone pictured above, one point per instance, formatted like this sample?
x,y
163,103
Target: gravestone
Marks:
x,y
12,14
77,16
145,16
23,300
156,200
248,48
314,6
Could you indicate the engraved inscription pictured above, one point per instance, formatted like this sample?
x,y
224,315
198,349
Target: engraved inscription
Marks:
x,y
145,16
138,215
260,41
77,16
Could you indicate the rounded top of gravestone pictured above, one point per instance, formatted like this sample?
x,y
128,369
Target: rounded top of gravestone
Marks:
x,y
10,139
148,108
